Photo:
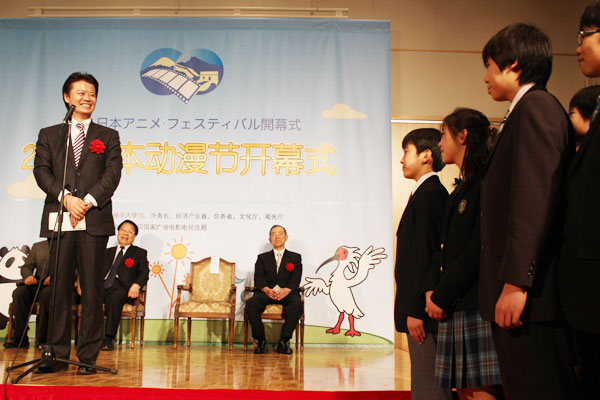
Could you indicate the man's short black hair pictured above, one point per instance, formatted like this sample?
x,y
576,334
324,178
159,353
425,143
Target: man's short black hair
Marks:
x,y
128,221
426,139
590,16
277,226
527,45
78,76
585,101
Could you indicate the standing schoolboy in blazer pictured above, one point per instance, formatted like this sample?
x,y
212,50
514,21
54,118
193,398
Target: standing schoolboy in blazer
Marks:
x,y
579,268
521,217
418,237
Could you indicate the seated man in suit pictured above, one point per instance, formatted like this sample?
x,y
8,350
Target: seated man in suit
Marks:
x,y
125,273
277,274
34,269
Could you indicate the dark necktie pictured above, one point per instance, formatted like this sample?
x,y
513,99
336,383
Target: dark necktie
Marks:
x,y
112,274
78,143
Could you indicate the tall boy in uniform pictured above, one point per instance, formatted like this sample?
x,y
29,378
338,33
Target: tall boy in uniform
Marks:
x,y
522,211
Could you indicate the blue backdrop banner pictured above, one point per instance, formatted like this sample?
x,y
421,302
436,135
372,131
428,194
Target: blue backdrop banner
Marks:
x,y
227,127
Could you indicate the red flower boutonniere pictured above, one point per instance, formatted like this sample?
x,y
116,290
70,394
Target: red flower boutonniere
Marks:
x,y
129,262
289,267
97,146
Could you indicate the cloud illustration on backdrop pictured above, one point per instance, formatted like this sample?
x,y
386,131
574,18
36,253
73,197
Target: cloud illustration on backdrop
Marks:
x,y
343,111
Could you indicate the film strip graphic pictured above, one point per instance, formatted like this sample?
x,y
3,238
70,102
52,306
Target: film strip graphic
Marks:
x,y
177,83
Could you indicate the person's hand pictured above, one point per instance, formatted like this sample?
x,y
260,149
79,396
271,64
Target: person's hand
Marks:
x,y
282,293
510,306
74,220
46,281
30,280
432,309
75,206
134,291
416,329
272,294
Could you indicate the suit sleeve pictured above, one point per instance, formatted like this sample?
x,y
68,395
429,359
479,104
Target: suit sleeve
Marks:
x,y
43,167
536,175
143,271
29,266
260,279
104,188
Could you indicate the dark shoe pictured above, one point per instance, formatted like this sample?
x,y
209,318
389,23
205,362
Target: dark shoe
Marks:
x,y
108,344
262,347
13,344
81,370
50,368
283,347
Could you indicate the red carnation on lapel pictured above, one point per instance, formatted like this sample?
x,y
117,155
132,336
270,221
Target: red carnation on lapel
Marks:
x,y
129,262
289,267
97,146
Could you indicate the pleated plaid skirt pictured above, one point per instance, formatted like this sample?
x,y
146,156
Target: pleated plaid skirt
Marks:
x,y
466,357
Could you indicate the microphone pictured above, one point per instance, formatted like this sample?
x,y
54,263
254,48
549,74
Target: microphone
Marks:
x,y
69,114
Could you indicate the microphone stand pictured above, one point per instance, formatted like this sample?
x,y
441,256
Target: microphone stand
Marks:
x,y
48,357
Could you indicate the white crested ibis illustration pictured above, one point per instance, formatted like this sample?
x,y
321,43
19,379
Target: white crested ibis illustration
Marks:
x,y
339,287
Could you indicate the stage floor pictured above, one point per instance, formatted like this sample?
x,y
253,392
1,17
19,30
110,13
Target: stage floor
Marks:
x,y
341,368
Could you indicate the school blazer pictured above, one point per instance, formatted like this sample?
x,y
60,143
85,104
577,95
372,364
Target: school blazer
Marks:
x,y
418,237
579,270
522,205
458,258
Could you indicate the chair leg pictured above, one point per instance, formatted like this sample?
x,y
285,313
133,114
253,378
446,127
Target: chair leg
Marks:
x,y
231,333
189,331
175,331
302,333
142,331
133,320
245,333
10,323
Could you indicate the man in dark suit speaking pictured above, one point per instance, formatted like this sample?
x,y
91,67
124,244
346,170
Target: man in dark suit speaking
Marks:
x,y
93,173
277,274
125,273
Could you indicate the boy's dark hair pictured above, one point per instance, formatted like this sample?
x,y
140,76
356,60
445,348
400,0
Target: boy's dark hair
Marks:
x,y
527,45
78,76
585,101
479,140
590,16
127,221
426,139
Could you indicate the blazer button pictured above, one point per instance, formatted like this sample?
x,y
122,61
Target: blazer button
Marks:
x,y
74,190
441,269
442,246
481,214
530,274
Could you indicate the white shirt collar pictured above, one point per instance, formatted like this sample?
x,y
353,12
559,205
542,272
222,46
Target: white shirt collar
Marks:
x,y
421,180
519,95
86,123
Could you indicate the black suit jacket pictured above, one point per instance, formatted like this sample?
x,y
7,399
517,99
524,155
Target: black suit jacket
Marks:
x,y
290,270
36,261
457,267
579,271
522,205
138,270
98,174
418,237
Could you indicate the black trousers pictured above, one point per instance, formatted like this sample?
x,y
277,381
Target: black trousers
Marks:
x,y
587,346
21,304
115,298
536,362
292,306
86,253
